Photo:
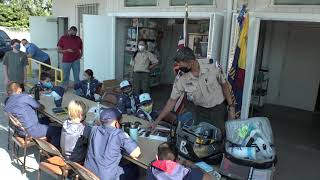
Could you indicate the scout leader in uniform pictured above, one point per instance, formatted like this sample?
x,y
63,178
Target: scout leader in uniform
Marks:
x,y
205,86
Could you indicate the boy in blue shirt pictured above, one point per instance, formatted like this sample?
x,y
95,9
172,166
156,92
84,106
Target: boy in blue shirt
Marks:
x,y
74,133
24,107
129,100
48,89
106,143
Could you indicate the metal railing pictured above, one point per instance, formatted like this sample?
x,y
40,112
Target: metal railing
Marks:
x,y
57,71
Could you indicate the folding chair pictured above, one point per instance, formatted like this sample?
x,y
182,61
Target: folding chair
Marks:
x,y
54,163
82,172
19,142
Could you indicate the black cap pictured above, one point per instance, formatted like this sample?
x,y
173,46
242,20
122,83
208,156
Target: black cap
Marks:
x,y
184,54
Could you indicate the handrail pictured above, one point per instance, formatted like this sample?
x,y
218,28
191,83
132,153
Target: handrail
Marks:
x,y
56,70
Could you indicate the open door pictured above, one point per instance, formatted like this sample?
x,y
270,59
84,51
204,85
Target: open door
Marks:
x,y
215,36
253,39
45,33
99,43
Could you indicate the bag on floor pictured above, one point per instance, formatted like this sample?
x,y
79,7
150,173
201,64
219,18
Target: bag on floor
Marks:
x,y
249,149
200,143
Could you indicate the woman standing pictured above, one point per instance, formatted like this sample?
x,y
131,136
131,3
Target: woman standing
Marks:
x,y
143,61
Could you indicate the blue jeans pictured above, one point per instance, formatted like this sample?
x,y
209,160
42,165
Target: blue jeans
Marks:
x,y
66,67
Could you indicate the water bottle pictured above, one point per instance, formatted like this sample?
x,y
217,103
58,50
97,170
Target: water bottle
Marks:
x,y
243,152
134,132
98,110
36,92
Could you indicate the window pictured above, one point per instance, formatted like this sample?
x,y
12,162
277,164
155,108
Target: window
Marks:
x,y
133,3
296,2
3,35
91,9
191,2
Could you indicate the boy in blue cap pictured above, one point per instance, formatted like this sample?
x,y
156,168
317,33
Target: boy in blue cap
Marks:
x,y
24,108
105,145
167,167
47,89
145,110
129,100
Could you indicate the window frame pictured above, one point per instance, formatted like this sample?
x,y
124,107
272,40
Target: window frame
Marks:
x,y
142,6
214,4
273,4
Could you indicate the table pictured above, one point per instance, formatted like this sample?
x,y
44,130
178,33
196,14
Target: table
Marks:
x,y
148,147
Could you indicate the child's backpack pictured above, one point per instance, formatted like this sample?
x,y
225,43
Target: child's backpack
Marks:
x,y
249,149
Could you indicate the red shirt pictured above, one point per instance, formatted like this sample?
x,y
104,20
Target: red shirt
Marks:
x,y
74,43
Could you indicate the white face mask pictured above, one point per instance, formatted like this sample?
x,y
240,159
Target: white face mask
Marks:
x,y
141,47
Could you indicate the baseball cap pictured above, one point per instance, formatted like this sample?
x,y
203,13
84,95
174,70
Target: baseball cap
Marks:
x,y
144,98
124,84
110,114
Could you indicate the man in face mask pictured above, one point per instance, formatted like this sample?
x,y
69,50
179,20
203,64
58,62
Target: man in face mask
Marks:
x,y
128,100
206,88
14,64
143,62
71,47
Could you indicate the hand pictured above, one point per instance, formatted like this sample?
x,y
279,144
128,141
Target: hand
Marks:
x,y
68,50
186,163
6,81
153,125
232,113
41,107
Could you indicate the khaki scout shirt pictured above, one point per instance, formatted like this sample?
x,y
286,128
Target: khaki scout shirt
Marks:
x,y
205,90
143,60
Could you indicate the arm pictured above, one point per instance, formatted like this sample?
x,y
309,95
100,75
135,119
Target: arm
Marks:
x,y
227,93
81,48
165,111
129,145
154,61
5,69
5,74
31,51
26,63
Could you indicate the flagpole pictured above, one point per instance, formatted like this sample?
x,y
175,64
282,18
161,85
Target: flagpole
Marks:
x,y
185,26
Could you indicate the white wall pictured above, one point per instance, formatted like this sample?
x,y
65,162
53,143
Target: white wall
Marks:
x,y
276,53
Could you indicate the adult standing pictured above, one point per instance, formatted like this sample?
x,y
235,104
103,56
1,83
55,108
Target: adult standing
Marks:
x,y
71,47
143,61
14,65
206,88
34,52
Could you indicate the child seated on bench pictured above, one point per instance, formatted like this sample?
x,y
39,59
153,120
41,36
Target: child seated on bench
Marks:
x,y
74,133
145,110
106,143
48,89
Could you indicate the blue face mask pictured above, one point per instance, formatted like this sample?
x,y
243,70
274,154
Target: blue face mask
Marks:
x,y
48,85
17,47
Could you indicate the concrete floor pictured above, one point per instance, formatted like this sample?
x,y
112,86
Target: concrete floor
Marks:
x,y
296,135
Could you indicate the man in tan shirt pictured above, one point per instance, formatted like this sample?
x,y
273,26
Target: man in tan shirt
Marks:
x,y
143,62
205,85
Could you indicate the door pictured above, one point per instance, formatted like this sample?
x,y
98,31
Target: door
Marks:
x,y
99,43
300,74
252,45
215,36
44,33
